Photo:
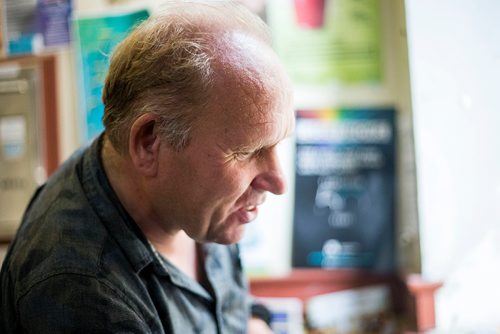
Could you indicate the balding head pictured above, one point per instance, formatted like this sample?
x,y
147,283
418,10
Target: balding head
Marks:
x,y
171,64
248,71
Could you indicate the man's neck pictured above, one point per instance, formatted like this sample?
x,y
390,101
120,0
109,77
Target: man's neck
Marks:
x,y
124,183
174,245
181,252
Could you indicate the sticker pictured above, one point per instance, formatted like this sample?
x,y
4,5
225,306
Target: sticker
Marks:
x,y
13,137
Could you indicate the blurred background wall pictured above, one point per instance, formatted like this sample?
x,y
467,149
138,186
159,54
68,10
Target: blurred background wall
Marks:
x,y
442,74
455,76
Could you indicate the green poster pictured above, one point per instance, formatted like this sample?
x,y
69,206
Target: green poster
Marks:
x,y
328,41
96,38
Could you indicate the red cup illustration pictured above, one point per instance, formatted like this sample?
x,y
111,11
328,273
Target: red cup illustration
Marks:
x,y
310,13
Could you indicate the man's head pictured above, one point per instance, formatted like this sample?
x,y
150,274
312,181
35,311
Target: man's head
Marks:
x,y
165,66
198,100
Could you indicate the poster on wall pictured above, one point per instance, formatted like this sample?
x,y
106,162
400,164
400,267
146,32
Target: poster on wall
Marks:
x,y
21,28
96,37
334,42
54,22
344,189
32,26
2,20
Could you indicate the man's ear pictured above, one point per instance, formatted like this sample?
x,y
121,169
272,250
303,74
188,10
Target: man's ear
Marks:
x,y
144,144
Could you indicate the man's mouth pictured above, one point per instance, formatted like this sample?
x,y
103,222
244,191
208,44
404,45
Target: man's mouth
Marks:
x,y
250,208
248,213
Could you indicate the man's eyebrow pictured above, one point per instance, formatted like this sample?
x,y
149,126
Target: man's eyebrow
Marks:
x,y
256,147
248,148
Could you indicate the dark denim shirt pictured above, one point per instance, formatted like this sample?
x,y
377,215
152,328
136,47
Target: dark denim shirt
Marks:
x,y
79,264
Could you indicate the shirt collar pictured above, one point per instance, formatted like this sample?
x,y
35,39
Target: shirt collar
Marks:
x,y
164,267
103,199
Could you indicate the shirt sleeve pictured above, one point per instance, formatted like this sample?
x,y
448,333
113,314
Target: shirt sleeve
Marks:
x,y
71,303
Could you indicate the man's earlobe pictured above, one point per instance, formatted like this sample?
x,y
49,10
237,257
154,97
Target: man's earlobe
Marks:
x,y
144,144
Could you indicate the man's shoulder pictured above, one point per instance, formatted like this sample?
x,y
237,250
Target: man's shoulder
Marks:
x,y
62,253
75,262
68,255
72,301
62,189
60,232
61,240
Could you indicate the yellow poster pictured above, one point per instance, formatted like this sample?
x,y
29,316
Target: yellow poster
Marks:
x,y
329,41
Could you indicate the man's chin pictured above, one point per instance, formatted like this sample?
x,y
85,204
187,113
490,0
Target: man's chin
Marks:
x,y
230,237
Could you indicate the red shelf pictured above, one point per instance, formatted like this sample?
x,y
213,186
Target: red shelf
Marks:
x,y
412,297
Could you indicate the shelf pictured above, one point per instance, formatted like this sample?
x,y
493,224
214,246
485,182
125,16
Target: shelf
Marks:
x,y
412,297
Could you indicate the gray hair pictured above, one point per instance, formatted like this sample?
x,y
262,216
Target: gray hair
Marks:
x,y
165,67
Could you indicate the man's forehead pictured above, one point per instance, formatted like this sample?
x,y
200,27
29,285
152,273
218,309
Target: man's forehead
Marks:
x,y
255,133
246,66
252,88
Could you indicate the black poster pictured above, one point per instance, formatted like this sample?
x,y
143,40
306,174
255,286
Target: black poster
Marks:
x,y
344,189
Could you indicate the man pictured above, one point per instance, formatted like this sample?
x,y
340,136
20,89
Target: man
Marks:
x,y
137,232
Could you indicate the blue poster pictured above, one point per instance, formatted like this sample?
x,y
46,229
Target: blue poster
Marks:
x,y
21,27
54,17
32,26
344,191
96,37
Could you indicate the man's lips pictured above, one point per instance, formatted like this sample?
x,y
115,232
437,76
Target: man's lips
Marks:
x,y
250,207
248,213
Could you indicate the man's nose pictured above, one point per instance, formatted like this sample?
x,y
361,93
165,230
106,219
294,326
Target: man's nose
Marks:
x,y
271,176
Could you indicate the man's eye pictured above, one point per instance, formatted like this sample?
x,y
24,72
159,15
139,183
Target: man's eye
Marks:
x,y
241,156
